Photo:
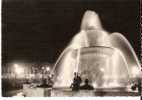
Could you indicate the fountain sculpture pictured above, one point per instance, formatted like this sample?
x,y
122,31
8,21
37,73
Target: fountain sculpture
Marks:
x,y
106,59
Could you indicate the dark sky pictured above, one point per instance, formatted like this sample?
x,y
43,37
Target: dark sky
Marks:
x,y
39,30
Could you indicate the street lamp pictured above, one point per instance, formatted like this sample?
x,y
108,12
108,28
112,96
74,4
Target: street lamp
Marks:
x,y
47,68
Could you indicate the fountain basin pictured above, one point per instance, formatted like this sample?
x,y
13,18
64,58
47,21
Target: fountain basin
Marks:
x,y
99,64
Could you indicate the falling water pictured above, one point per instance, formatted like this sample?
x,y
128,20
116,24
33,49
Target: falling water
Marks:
x,y
105,59
119,41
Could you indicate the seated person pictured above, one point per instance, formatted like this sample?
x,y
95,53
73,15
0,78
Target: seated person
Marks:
x,y
86,86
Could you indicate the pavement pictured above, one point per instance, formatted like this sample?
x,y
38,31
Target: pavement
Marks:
x,y
68,92
12,93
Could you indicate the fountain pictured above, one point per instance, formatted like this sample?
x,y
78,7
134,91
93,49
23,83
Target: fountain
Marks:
x,y
106,59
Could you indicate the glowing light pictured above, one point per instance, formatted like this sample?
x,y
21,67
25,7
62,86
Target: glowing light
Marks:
x,y
18,69
47,68
16,65
102,69
94,85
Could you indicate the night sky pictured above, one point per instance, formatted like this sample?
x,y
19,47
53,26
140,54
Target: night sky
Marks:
x,y
39,30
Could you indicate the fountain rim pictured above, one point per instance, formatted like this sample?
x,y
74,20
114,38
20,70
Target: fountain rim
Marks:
x,y
98,46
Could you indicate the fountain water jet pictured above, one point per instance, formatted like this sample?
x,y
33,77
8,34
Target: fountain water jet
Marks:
x,y
107,60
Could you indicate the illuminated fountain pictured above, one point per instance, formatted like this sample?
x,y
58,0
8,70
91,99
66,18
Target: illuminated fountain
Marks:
x,y
106,59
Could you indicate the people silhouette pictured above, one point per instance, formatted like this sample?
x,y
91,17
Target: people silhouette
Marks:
x,y
78,78
86,86
76,82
